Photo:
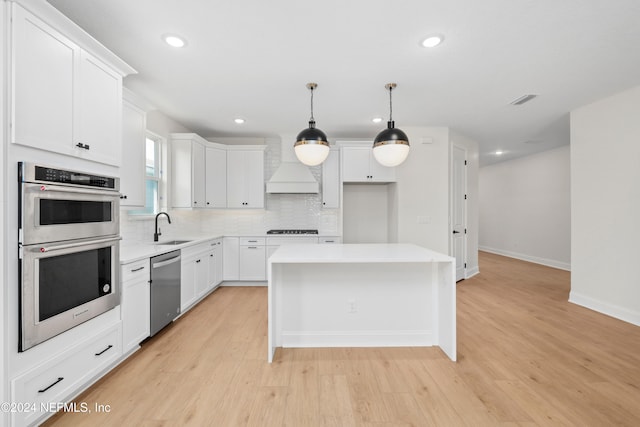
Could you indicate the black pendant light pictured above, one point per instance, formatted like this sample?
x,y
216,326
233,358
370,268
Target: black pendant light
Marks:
x,y
311,147
391,146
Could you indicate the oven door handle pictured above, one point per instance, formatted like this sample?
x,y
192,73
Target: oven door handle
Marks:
x,y
64,189
76,245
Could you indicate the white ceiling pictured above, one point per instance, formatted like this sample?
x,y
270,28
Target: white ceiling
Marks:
x,y
253,58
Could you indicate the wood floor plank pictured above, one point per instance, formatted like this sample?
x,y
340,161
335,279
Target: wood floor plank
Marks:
x,y
526,357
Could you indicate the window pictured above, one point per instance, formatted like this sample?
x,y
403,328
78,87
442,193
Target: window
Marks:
x,y
153,173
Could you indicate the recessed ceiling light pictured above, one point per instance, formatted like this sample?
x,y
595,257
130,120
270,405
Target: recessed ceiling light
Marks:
x,y
499,152
432,41
174,40
377,119
239,120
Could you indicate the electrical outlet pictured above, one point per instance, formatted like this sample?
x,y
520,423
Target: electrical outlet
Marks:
x,y
352,307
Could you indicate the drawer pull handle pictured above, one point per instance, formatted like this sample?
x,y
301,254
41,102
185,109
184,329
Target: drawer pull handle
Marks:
x,y
329,241
108,348
137,269
253,241
45,389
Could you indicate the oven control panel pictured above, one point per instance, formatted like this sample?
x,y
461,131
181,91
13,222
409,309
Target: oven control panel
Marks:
x,y
69,177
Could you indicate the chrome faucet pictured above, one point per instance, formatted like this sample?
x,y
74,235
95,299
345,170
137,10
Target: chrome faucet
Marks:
x,y
158,233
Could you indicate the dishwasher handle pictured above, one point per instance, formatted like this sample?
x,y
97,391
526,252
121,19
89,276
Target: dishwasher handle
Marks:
x,y
166,262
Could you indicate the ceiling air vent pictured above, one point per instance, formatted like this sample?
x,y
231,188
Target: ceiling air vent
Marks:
x,y
523,99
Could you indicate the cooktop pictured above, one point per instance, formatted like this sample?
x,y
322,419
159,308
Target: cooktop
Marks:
x,y
292,232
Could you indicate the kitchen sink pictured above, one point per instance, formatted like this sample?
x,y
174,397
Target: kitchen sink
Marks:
x,y
173,242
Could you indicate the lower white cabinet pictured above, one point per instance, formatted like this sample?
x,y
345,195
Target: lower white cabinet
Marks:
x,y
231,258
215,264
201,271
61,377
252,258
135,304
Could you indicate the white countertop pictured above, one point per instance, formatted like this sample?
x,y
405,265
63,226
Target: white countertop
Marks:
x,y
133,250
356,253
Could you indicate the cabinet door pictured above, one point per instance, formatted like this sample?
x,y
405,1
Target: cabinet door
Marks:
x,y
198,175
218,257
216,178
42,84
236,180
331,181
245,179
380,173
98,111
202,274
135,312
181,173
132,172
356,164
254,172
252,263
187,284
231,258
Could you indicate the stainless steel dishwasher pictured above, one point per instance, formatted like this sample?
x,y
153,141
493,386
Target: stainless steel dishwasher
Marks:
x,y
165,290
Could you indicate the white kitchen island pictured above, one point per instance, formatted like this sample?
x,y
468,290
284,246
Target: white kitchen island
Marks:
x,y
361,295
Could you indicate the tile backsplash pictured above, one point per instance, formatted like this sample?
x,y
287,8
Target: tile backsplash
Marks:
x,y
281,211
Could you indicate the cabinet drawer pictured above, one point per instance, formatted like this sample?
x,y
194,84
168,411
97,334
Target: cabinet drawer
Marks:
x,y
135,270
252,241
64,376
330,240
195,250
277,241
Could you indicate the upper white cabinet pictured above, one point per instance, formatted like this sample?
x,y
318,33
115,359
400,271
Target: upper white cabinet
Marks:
x,y
215,178
198,172
63,98
359,165
132,173
245,177
331,180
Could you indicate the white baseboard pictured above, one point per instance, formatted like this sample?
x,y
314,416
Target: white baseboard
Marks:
x,y
603,307
418,338
471,272
537,260
243,283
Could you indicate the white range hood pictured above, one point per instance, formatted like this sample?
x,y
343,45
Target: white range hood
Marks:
x,y
292,177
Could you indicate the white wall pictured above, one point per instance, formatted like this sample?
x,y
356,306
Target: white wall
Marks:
x,y
605,204
525,208
4,392
423,190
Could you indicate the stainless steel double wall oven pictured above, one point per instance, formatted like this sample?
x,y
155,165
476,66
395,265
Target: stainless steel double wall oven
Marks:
x,y
69,240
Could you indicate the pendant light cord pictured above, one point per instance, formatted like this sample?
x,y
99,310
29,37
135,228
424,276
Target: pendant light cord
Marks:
x,y
312,119
390,106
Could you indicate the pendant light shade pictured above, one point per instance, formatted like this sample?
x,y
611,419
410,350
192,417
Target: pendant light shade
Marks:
x,y
311,147
391,146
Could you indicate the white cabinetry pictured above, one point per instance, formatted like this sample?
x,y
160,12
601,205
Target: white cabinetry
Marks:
x,y
198,172
201,271
245,177
62,376
252,258
231,258
63,98
215,263
331,180
359,165
132,173
216,178
135,303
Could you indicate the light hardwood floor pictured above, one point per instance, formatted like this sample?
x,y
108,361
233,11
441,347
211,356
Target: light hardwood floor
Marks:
x,y
525,357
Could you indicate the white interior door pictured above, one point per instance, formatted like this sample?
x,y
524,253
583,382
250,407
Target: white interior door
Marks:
x,y
458,210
